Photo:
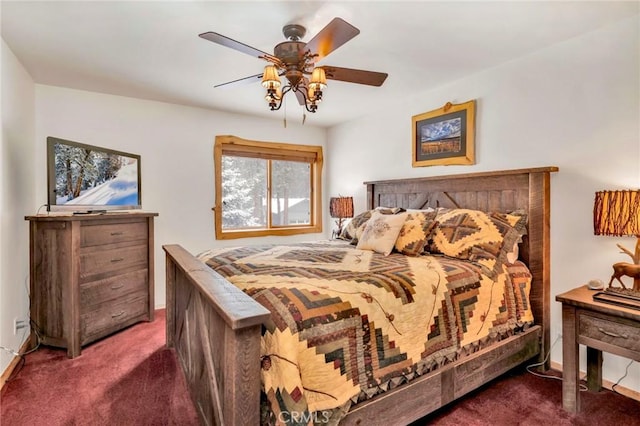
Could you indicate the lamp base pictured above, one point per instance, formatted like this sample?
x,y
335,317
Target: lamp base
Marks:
x,y
337,232
626,292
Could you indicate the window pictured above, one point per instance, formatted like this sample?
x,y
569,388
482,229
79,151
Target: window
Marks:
x,y
265,188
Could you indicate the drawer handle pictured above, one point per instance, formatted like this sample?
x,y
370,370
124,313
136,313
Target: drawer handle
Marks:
x,y
115,287
116,233
117,259
608,333
119,314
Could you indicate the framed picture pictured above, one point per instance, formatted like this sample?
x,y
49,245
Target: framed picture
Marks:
x,y
444,136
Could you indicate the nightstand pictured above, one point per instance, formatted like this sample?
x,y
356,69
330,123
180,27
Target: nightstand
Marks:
x,y
599,326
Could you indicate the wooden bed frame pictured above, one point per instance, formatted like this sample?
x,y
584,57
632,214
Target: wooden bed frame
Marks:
x,y
215,328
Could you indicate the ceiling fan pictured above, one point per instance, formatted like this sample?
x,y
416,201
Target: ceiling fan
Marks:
x,y
296,61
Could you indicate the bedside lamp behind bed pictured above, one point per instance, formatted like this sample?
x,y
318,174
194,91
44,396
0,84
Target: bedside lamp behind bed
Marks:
x,y
340,208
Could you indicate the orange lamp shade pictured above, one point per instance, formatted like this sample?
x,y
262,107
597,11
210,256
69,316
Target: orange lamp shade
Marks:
x,y
341,207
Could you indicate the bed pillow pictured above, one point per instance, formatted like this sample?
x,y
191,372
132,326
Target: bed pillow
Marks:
x,y
349,231
477,236
381,232
355,227
520,277
415,232
425,210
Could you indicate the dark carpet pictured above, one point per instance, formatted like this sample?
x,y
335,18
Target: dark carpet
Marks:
x,y
130,378
520,398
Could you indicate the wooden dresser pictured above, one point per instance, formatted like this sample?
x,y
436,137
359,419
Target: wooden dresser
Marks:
x,y
91,275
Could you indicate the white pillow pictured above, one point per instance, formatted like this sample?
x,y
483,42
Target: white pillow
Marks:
x,y
427,210
381,232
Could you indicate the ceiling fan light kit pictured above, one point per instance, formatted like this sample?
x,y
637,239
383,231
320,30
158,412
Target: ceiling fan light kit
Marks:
x,y
311,91
296,60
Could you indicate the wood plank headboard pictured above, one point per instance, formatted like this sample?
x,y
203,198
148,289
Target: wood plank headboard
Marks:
x,y
504,191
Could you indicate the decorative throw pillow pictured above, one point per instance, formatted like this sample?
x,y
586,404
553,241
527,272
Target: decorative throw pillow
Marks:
x,y
477,236
520,278
415,232
349,231
355,227
514,254
381,232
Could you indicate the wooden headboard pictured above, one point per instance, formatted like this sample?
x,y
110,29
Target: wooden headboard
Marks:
x,y
504,191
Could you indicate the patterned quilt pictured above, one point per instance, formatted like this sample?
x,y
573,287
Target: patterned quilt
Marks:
x,y
347,324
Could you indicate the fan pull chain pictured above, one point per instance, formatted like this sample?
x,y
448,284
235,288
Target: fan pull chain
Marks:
x,y
285,113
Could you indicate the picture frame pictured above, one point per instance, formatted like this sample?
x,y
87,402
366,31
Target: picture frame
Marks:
x,y
444,136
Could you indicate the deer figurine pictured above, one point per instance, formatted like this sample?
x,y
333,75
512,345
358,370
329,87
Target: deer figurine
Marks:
x,y
629,270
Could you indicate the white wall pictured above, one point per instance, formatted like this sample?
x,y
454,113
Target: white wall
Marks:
x,y
575,105
16,198
176,147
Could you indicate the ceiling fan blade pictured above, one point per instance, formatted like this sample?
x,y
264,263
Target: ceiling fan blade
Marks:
x,y
301,100
242,80
236,45
335,34
370,78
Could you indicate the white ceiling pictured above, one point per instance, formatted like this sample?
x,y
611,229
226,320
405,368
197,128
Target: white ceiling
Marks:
x,y
151,50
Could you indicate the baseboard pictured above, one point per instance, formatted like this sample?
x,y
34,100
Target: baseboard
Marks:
x,y
630,393
12,365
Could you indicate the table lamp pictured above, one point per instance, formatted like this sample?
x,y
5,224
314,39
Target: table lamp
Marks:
x,y
617,213
340,208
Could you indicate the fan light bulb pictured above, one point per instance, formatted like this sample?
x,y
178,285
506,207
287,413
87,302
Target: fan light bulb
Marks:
x,y
270,78
318,79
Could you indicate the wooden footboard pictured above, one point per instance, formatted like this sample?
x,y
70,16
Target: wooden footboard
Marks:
x,y
215,330
432,391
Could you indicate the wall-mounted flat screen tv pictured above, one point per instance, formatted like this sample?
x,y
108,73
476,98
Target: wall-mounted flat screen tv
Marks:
x,y
87,178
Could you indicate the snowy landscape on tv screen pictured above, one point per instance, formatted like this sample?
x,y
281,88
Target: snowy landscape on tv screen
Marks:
x,y
92,177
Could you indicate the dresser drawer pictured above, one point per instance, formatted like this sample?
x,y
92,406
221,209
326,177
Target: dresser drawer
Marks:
x,y
112,316
609,331
94,235
106,262
99,292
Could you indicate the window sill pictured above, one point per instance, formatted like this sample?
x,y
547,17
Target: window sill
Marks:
x,y
250,233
